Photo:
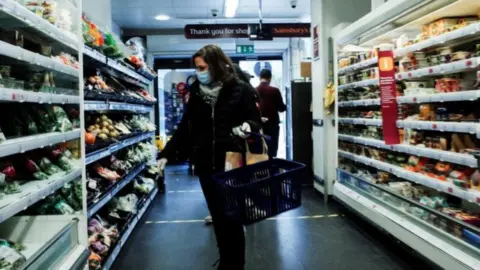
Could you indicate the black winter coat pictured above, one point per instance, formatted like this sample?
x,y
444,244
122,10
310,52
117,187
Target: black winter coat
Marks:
x,y
206,135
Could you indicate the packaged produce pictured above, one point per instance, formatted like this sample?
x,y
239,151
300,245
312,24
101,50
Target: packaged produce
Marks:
x,y
94,261
48,167
106,173
63,208
127,203
63,124
63,159
68,193
10,258
144,185
35,170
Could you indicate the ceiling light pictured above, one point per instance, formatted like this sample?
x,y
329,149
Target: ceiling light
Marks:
x,y
162,18
231,8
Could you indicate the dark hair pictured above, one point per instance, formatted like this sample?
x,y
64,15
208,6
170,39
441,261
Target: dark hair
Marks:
x,y
219,65
240,74
266,74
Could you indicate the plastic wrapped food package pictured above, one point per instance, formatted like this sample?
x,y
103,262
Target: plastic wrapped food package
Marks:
x,y
144,185
127,203
10,258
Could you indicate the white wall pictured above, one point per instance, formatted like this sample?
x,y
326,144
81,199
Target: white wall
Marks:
x,y
300,50
100,12
327,14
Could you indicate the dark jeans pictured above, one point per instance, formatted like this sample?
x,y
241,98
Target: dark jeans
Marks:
x,y
229,234
272,130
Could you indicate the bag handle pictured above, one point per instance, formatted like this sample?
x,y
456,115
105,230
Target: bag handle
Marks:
x,y
264,141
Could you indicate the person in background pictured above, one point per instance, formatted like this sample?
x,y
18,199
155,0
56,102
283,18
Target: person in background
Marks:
x,y
219,113
271,104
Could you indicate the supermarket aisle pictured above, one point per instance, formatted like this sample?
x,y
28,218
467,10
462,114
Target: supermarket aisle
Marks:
x,y
172,236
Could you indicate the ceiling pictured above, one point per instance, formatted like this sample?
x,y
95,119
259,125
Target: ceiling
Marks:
x,y
140,14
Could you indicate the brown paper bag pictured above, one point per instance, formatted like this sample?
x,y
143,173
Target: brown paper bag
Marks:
x,y
256,158
233,160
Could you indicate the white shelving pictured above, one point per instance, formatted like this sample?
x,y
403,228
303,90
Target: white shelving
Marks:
x,y
17,95
449,188
363,83
116,106
410,19
123,69
115,65
114,190
456,158
92,157
360,103
123,238
361,121
463,127
23,144
469,95
361,65
448,68
465,32
36,59
32,192
33,21
94,54
425,241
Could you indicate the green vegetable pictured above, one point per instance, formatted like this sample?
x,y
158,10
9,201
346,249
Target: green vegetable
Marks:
x,y
65,164
48,167
40,176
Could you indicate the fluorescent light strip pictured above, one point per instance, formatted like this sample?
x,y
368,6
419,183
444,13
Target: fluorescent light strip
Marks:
x,y
231,8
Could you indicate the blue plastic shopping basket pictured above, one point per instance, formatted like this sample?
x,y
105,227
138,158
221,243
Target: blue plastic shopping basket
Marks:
x,y
256,192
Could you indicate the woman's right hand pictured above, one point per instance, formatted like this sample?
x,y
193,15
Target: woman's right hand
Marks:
x,y
162,163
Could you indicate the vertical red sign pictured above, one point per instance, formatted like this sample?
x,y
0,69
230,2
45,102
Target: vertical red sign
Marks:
x,y
388,94
316,44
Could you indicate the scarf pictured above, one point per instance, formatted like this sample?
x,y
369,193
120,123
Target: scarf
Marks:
x,y
209,93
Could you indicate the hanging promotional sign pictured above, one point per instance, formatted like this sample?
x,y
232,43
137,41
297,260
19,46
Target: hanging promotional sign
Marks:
x,y
211,31
388,97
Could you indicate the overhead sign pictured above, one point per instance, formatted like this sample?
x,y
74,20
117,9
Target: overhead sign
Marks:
x,y
245,49
210,31
388,97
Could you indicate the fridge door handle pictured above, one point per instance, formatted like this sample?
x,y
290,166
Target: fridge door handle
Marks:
x,y
318,122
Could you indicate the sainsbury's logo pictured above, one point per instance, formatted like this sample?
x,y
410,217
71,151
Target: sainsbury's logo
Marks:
x,y
291,30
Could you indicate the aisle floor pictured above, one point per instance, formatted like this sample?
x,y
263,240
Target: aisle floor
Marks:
x,y
172,236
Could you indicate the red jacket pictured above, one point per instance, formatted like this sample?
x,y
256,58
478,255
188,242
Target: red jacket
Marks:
x,y
271,102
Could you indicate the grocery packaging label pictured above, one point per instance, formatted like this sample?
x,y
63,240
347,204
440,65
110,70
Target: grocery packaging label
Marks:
x,y
388,97
9,255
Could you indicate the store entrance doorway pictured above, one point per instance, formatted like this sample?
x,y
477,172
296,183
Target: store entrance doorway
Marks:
x,y
276,66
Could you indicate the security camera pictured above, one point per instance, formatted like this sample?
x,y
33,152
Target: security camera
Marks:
x,y
293,3
214,12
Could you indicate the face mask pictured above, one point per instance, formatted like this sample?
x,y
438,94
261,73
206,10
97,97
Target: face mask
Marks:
x,y
204,77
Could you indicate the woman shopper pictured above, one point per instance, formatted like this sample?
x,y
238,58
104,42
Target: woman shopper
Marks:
x,y
245,77
220,111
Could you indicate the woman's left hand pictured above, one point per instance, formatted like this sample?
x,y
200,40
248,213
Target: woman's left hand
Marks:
x,y
242,131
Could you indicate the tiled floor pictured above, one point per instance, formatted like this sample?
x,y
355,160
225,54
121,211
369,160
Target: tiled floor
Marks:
x,y
172,236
